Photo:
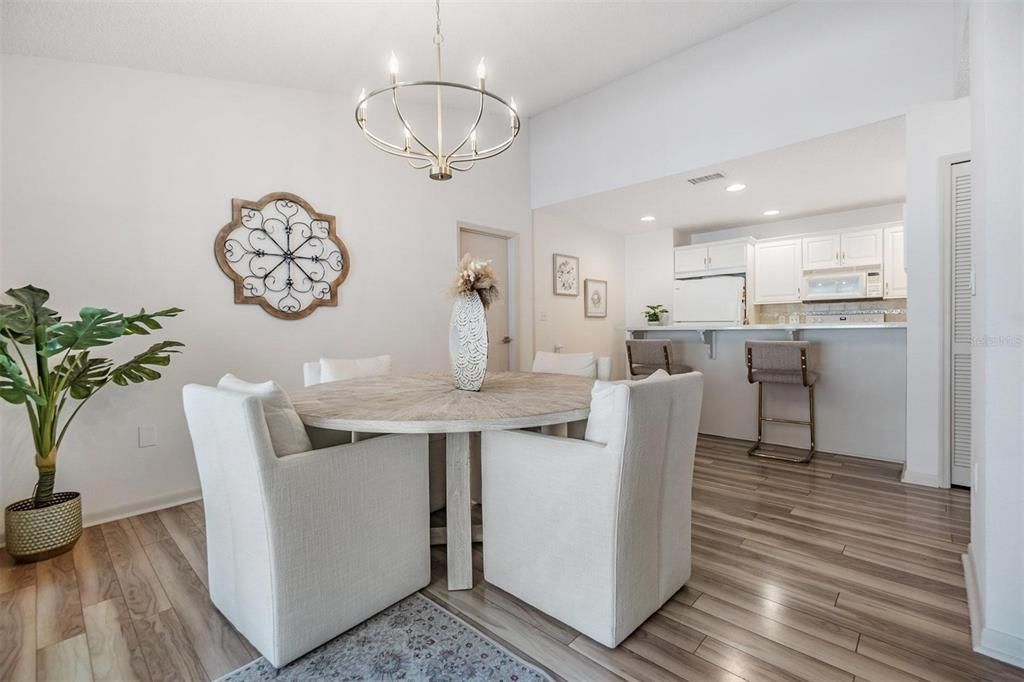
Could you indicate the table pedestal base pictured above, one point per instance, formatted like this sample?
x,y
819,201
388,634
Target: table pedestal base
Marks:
x,y
460,523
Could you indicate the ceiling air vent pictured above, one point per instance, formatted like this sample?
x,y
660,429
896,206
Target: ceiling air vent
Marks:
x,y
705,178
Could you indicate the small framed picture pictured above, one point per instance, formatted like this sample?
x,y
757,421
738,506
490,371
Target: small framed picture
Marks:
x,y
566,275
595,295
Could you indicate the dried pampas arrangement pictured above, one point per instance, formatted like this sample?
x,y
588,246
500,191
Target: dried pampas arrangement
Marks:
x,y
478,276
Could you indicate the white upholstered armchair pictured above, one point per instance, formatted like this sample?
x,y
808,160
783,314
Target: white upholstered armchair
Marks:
x,y
296,543
595,535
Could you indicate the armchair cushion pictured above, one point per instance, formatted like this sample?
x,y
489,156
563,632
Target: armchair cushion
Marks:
x,y
343,369
287,434
603,412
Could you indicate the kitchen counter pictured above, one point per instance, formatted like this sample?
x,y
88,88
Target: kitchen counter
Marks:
x,y
860,395
767,327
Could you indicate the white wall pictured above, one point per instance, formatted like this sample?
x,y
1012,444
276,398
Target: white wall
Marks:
x,y
116,182
934,132
826,222
559,319
649,273
997,524
810,69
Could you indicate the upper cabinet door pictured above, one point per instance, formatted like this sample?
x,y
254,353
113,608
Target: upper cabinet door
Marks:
x,y
862,248
727,257
777,271
691,260
822,251
894,268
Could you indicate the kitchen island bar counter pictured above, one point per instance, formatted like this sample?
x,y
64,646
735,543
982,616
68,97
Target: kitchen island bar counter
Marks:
x,y
860,396
809,326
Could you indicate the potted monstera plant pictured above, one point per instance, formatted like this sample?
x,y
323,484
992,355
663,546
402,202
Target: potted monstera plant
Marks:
x,y
46,364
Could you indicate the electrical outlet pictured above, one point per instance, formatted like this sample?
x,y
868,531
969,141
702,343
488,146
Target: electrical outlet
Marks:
x,y
147,436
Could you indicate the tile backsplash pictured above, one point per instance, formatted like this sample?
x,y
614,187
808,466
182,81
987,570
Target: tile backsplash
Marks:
x,y
895,309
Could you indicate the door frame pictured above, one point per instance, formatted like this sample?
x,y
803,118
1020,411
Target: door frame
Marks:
x,y
945,473
513,285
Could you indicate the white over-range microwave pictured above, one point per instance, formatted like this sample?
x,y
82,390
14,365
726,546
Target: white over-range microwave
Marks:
x,y
850,285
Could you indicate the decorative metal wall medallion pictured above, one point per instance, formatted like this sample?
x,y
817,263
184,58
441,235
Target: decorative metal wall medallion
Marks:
x,y
282,255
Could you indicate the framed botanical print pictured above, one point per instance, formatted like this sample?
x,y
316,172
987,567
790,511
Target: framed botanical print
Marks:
x,y
595,298
566,275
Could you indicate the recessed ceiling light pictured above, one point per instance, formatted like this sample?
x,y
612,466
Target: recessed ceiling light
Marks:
x,y
647,219
738,187
771,211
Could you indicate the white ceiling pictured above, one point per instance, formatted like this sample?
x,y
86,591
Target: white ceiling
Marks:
x,y
541,52
852,169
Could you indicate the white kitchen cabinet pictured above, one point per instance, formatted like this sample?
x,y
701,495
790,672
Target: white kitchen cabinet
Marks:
x,y
894,269
822,251
861,248
727,256
715,258
778,271
691,260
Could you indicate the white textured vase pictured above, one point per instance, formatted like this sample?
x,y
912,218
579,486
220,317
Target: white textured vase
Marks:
x,y
467,342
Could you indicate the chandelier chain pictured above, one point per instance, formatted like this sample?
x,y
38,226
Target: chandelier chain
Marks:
x,y
438,36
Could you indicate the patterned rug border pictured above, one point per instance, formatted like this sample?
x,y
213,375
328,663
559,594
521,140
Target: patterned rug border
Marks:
x,y
438,608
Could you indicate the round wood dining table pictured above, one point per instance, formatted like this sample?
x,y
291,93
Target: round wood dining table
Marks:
x,y
430,403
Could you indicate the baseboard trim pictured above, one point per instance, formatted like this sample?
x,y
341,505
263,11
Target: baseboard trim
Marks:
x,y
920,478
124,511
1001,646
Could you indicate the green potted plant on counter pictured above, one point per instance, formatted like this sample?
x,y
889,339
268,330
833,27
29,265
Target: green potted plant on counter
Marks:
x,y
46,365
656,314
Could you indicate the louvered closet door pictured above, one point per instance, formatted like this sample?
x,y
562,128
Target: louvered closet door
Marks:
x,y
960,314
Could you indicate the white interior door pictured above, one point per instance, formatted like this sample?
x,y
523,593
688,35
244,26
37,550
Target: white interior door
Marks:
x,y
962,293
494,248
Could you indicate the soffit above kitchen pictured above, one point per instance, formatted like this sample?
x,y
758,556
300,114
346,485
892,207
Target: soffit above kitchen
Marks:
x,y
856,168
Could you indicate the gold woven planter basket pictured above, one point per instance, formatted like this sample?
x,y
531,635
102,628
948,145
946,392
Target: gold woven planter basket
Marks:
x,y
34,534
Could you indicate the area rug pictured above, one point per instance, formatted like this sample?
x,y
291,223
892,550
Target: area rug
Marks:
x,y
414,639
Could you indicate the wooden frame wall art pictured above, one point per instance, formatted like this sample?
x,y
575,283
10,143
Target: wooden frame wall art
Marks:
x,y
282,255
565,275
595,298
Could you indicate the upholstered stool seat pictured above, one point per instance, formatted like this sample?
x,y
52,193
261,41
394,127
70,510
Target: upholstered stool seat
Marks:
x,y
646,356
780,362
767,376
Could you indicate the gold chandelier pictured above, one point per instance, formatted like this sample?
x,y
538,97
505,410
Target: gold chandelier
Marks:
x,y
421,155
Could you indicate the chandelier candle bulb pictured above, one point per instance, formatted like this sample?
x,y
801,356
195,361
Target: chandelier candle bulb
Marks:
x,y
512,111
472,141
481,73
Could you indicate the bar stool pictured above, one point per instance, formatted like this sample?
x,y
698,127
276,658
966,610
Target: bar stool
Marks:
x,y
780,362
646,356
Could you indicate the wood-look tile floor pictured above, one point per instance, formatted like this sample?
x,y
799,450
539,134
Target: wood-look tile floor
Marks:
x,y
827,571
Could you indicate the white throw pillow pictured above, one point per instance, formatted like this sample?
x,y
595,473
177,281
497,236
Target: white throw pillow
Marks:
x,y
602,411
342,370
287,434
576,364
602,406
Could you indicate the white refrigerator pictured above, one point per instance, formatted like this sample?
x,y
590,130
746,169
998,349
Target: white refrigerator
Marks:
x,y
710,300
